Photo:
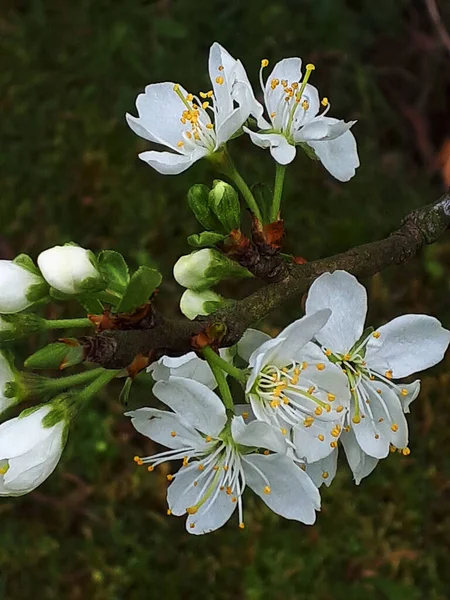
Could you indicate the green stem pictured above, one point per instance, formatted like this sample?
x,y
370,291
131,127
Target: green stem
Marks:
x,y
62,383
67,323
220,378
217,360
278,191
98,384
225,164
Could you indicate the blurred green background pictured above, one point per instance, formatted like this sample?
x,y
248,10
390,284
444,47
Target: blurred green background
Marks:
x,y
69,170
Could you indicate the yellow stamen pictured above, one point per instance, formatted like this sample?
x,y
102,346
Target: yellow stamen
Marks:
x,y
219,80
325,474
320,366
241,526
394,427
331,397
318,411
321,437
327,352
267,490
406,451
180,144
220,68
150,468
169,512
339,408
208,438
266,452
376,334
310,67
325,101
264,63
333,444
308,421
404,392
245,415
389,374
356,419
205,105
169,477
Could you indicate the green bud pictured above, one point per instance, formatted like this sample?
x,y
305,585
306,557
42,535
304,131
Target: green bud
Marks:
x,y
202,269
194,303
198,201
59,355
206,239
224,201
19,325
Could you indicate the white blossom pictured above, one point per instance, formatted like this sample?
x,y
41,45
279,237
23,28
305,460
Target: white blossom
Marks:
x,y
371,362
67,267
292,107
16,287
193,127
220,458
293,387
30,448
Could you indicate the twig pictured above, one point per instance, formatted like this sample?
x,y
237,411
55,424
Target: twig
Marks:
x,y
433,11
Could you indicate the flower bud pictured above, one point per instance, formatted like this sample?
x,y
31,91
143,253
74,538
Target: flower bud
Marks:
x,y
69,269
202,269
199,203
19,287
194,303
224,201
7,378
59,355
30,447
16,326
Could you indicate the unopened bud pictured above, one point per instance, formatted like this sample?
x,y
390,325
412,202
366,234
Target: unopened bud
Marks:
x,y
20,285
202,269
224,201
16,326
199,204
194,303
59,355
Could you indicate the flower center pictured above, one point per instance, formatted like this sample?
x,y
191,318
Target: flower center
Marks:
x,y
201,132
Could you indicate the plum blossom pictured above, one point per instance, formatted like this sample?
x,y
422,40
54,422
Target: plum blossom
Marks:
x,y
193,127
220,457
371,361
66,267
18,287
293,105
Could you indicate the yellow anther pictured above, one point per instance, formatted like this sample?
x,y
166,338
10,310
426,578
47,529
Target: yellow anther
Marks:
x,y
406,451
304,365
311,389
376,334
372,377
221,488
189,97
267,490
320,366
203,95
234,499
273,115
229,490
169,477
310,67
305,104
215,468
285,400
188,135
333,444
325,101
180,144
378,391
392,448
283,431
195,484
169,512
264,63
347,428
339,408
331,397
404,392
205,105
327,407
266,452
284,82
200,467
356,419
209,94
275,403
219,80
183,120
367,401
220,68
137,459
294,380
225,467
321,437
394,427
196,136
208,438
185,461
176,87
308,421
347,357
380,420
173,433
335,432
325,474
294,85
150,468
209,126
277,391
389,374
327,352
192,525
241,526
318,411
377,437
245,415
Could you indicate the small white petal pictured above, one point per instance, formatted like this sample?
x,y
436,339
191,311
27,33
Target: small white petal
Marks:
x,y
413,390
323,471
292,493
360,463
182,493
211,516
258,435
313,443
339,156
251,341
15,282
347,299
21,434
283,152
195,404
407,344
168,163
189,366
289,69
66,267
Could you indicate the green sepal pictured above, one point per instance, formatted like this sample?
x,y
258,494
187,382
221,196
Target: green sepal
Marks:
x,y
310,153
368,331
91,285
224,202
142,285
114,270
20,325
264,197
58,355
206,239
91,305
125,393
198,201
37,292
26,262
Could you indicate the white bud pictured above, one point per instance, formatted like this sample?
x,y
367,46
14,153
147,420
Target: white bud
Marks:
x,y
16,285
204,268
194,303
65,268
30,449
6,375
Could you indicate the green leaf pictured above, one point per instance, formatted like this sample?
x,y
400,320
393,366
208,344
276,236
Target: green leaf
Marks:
x,y
264,198
91,305
198,201
206,239
142,285
114,269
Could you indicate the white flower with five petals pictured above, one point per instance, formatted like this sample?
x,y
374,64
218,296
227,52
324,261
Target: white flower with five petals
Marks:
x,y
404,346
220,458
293,388
293,107
193,127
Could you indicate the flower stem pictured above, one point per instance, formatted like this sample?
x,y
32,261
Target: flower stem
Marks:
x,y
218,361
67,323
62,383
220,378
225,165
98,384
278,191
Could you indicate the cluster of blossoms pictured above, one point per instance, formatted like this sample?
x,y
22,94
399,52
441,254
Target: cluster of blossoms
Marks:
x,y
322,381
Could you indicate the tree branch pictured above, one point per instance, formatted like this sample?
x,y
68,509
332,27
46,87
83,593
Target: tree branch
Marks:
x,y
174,337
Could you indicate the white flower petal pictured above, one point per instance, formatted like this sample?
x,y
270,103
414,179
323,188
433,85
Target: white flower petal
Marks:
x,y
22,434
413,390
347,299
211,516
182,493
251,341
168,163
339,156
308,441
261,357
195,404
15,282
320,129
258,435
397,427
292,493
160,425
329,377
289,69
220,65
66,267
160,109
323,471
232,124
283,152
189,366
360,463
407,344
